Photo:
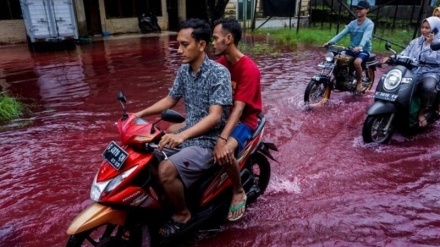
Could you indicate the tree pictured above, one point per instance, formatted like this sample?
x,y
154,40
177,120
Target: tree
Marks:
x,y
214,9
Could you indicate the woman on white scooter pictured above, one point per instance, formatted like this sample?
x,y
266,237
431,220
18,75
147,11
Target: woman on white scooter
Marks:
x,y
429,73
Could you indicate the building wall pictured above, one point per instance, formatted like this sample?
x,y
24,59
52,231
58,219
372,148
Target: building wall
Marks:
x,y
231,8
274,22
130,25
12,31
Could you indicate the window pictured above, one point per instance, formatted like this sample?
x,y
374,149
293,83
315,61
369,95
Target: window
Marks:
x,y
10,10
400,2
131,8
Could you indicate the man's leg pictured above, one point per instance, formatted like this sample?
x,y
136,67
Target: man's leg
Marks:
x,y
168,176
428,93
358,68
233,172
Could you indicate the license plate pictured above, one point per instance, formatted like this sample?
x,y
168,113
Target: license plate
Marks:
x,y
385,96
115,155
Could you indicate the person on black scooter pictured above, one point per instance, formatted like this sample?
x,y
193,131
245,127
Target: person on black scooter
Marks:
x,y
205,87
420,50
361,35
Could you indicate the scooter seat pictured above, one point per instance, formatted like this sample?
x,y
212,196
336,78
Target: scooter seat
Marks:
x,y
371,58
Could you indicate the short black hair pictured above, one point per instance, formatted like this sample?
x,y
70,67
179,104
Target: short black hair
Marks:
x,y
202,30
232,26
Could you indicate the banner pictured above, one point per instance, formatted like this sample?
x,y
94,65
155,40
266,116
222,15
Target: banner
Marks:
x,y
280,8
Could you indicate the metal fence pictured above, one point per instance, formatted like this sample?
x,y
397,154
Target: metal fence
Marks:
x,y
390,15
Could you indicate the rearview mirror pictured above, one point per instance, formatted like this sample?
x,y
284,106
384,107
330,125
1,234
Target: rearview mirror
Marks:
x,y
121,97
388,45
172,116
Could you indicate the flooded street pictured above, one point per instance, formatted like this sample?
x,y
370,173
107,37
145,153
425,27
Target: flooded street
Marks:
x,y
327,189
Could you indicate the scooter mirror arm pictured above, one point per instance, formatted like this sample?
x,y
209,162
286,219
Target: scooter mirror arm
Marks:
x,y
124,111
153,127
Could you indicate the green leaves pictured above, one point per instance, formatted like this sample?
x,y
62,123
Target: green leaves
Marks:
x,y
10,108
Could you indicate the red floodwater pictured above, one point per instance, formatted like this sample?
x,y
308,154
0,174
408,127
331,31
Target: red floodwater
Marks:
x,y
328,188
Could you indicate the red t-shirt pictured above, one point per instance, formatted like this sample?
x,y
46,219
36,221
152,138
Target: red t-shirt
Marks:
x,y
245,77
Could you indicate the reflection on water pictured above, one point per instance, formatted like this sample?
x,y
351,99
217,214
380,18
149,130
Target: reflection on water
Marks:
x,y
327,189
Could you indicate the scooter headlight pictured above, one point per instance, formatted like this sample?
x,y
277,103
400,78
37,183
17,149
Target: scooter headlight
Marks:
x,y
329,56
117,180
98,188
392,79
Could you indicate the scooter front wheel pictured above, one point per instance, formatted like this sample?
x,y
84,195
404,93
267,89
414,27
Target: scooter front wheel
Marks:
x,y
377,128
108,235
317,93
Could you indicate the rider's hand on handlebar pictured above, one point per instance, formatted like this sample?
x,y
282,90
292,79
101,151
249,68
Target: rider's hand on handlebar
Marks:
x,y
357,49
385,60
170,141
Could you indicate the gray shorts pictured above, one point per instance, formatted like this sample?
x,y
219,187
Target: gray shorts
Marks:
x,y
191,163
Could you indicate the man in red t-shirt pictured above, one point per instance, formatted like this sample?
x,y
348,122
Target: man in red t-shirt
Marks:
x,y
243,118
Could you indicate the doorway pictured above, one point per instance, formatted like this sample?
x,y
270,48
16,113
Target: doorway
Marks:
x,y
93,17
173,15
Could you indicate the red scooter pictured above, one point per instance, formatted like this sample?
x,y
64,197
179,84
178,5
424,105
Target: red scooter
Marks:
x,y
128,211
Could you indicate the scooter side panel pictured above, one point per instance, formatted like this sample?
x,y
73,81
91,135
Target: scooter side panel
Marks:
x,y
95,215
221,181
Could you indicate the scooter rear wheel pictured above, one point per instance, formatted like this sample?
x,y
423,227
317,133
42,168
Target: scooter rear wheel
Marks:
x,y
374,129
108,235
316,94
259,167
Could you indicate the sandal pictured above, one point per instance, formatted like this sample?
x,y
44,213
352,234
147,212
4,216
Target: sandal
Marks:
x,y
171,228
240,207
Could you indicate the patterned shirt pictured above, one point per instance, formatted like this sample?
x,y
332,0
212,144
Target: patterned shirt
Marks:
x,y
211,85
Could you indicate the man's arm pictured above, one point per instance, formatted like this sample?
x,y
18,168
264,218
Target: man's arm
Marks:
x,y
233,119
204,125
367,36
158,107
340,35
409,47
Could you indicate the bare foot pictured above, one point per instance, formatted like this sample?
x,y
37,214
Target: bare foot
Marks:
x,y
359,87
422,119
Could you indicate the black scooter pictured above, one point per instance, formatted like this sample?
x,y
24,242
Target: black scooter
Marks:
x,y
148,24
396,105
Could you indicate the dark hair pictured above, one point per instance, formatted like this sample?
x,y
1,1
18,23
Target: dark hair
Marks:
x,y
232,26
202,30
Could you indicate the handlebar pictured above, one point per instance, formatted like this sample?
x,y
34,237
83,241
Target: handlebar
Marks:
x,y
404,61
334,48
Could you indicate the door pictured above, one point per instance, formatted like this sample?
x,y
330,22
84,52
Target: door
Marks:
x,y
173,15
93,18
